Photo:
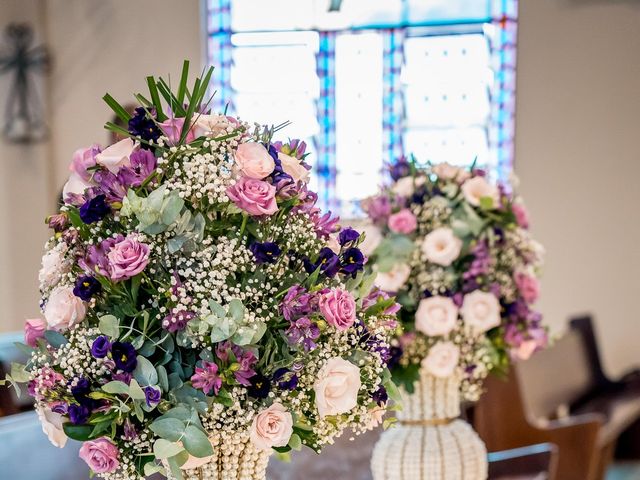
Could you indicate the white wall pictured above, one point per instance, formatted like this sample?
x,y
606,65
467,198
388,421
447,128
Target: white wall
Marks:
x,y
578,156
97,46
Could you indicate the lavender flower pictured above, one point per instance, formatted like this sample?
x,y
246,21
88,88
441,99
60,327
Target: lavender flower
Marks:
x,y
206,378
325,225
303,332
96,259
246,361
296,302
58,222
110,186
143,164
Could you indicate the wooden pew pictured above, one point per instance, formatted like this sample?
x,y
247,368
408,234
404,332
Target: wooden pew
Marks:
x,y
557,397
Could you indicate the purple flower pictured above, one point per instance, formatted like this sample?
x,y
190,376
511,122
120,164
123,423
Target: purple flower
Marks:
x,y
144,127
285,379
101,346
328,262
94,209
83,160
58,222
80,392
352,262
278,173
124,356
130,432
177,320
296,302
206,378
324,225
96,259
152,395
260,386
265,252
109,184
303,332
380,396
378,208
59,407
143,164
400,169
246,360
124,377
376,294
86,287
78,414
348,235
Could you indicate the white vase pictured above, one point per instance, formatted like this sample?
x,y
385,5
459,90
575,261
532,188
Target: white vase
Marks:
x,y
430,442
233,459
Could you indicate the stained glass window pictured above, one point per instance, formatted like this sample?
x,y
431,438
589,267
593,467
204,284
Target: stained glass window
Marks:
x,y
372,82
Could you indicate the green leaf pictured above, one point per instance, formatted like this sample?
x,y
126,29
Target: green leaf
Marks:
x,y
155,98
164,449
217,309
145,373
19,372
486,203
135,391
116,387
236,310
184,77
110,326
180,412
196,442
151,468
168,428
82,433
295,442
118,109
55,339
163,379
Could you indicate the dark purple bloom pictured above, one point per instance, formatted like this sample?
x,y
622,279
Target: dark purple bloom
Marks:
x,y
380,396
60,408
101,347
177,320
260,386
328,262
285,379
400,169
265,252
78,414
152,395
143,164
144,127
123,377
81,388
352,261
94,209
296,302
86,287
303,332
124,356
278,173
395,353
348,235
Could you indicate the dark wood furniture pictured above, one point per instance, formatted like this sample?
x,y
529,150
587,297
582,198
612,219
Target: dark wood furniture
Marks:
x,y
561,396
533,462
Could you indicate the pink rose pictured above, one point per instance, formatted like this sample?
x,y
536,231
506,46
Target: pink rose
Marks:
x,y
524,350
64,309
477,188
480,311
528,286
338,308
75,186
446,171
33,330
83,159
402,222
271,427
337,387
442,359
441,246
213,125
436,316
127,258
172,128
101,455
521,214
254,160
117,155
254,196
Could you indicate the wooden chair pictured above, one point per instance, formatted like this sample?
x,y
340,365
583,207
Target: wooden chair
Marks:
x,y
533,462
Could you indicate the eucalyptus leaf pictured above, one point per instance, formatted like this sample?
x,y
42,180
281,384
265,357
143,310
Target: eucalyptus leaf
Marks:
x,y
165,449
168,428
116,387
163,379
196,442
55,339
236,310
19,372
135,391
295,442
110,326
145,373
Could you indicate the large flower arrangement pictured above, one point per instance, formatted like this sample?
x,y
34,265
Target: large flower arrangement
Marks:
x,y
191,300
457,251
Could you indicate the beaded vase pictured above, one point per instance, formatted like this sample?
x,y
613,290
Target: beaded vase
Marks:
x,y
430,442
233,459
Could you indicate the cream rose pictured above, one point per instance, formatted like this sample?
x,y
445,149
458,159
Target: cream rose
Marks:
x,y
436,316
441,246
372,239
477,188
271,427
294,168
442,359
75,186
63,309
480,311
337,387
405,186
52,425
446,171
53,266
210,126
254,160
394,279
117,155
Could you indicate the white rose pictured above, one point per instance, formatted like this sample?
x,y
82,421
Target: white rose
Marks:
x,y
442,359
337,387
480,311
52,426
271,427
393,280
117,155
372,239
405,186
436,316
75,185
446,171
63,309
476,188
294,168
53,266
441,246
210,126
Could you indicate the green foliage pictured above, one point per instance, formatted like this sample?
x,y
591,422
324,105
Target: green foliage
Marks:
x,y
55,339
155,213
406,376
393,250
110,326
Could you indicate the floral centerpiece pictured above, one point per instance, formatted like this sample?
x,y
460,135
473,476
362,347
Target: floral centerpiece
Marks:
x,y
456,249
199,309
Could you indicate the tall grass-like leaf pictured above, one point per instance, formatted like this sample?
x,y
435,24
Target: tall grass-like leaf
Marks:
x,y
182,87
155,98
118,109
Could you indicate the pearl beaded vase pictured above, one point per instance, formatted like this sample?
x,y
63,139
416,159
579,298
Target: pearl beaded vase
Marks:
x,y
233,459
430,442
